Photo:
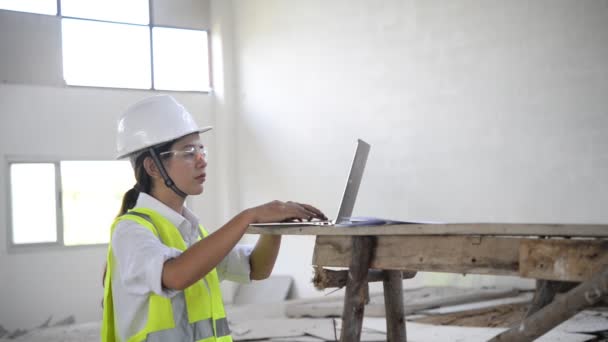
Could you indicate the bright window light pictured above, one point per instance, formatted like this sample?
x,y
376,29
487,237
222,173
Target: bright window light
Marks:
x,y
125,11
92,194
181,61
31,6
106,54
33,203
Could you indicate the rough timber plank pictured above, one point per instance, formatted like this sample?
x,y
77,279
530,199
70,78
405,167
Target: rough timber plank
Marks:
x,y
482,229
564,260
455,254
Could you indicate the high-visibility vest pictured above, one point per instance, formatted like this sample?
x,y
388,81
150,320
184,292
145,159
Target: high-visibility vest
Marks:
x,y
203,299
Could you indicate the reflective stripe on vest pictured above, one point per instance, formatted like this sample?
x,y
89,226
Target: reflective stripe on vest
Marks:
x,y
221,327
199,328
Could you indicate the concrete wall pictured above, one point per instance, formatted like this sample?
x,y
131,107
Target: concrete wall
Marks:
x,y
477,111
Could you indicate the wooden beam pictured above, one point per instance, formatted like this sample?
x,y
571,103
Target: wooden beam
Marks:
x,y
481,229
563,260
454,254
356,288
325,278
562,308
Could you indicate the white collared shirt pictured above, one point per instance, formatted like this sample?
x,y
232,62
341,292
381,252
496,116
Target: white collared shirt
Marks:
x,y
140,257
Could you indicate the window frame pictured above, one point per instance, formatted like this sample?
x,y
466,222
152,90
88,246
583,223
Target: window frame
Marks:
x,y
13,247
150,26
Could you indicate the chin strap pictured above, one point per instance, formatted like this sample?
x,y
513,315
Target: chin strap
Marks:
x,y
168,181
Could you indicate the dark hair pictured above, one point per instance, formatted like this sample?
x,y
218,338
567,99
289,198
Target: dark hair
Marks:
x,y
143,179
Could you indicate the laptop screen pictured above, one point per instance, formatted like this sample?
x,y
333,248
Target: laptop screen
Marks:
x,y
354,180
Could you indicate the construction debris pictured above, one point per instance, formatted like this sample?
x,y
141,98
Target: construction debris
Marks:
x,y
414,300
271,323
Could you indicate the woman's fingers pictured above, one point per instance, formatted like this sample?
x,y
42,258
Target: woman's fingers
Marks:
x,y
316,212
306,211
277,211
300,213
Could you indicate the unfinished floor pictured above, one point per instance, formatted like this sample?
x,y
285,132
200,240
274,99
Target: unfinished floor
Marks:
x,y
433,314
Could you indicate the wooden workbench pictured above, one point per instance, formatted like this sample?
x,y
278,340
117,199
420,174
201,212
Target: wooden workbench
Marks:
x,y
551,252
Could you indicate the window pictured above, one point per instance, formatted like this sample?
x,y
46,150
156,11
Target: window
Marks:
x,y
74,202
123,11
33,194
113,43
104,54
180,59
30,6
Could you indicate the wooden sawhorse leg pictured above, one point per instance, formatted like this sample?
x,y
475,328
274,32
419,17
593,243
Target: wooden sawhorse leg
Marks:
x,y
546,290
393,304
356,281
562,308
356,288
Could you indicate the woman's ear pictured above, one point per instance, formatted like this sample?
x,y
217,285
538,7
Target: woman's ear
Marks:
x,y
151,168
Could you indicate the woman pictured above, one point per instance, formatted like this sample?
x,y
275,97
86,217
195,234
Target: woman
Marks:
x,y
163,270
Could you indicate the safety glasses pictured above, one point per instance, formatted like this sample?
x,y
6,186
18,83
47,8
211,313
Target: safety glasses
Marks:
x,y
189,153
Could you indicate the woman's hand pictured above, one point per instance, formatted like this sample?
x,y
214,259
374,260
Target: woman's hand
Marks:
x,y
277,211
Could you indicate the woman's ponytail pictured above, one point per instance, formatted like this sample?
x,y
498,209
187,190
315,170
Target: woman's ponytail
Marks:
x,y
128,200
144,184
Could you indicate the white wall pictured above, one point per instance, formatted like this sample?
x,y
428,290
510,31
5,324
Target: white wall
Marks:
x,y
477,111
40,117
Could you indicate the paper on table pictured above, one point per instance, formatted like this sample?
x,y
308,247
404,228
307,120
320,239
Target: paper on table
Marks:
x,y
355,221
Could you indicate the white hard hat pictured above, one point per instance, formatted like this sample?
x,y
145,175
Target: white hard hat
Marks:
x,y
152,121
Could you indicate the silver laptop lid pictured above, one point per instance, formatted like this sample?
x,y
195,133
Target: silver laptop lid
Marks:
x,y
354,180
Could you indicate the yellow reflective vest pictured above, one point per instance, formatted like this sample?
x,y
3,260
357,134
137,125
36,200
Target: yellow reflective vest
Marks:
x,y
204,305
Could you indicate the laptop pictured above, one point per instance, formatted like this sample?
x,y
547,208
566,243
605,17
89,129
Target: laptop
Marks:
x,y
348,199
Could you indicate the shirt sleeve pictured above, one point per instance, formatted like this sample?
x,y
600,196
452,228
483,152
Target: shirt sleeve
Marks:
x,y
140,257
235,266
